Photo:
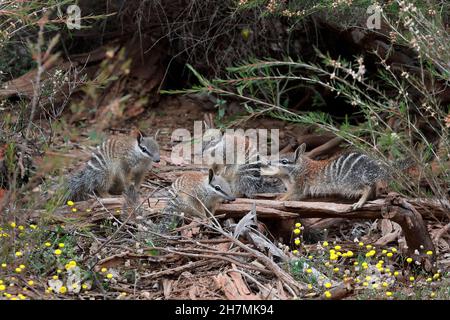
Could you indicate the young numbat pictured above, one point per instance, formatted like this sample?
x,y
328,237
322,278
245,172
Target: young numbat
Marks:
x,y
243,172
117,166
196,193
350,175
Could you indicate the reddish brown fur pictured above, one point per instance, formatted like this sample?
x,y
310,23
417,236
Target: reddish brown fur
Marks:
x,y
314,168
187,187
311,173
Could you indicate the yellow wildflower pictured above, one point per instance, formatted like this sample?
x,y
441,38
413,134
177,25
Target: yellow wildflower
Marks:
x,y
371,253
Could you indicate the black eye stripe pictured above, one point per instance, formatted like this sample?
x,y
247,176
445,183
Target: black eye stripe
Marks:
x,y
145,150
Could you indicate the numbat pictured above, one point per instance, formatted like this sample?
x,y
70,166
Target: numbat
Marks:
x,y
243,172
117,166
196,193
350,175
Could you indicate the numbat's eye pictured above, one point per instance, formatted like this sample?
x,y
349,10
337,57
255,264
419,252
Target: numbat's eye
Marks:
x,y
218,188
284,161
144,149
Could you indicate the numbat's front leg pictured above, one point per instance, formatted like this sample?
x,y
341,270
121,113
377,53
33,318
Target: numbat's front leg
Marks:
x,y
363,198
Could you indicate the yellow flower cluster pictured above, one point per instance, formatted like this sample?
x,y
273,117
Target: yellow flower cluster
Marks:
x,y
70,265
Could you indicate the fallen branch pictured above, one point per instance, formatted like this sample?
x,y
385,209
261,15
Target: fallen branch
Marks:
x,y
407,213
340,292
326,148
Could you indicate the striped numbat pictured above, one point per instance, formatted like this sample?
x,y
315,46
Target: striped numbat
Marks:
x,y
117,166
196,193
239,163
350,175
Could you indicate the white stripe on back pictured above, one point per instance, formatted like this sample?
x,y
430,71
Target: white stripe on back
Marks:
x,y
351,167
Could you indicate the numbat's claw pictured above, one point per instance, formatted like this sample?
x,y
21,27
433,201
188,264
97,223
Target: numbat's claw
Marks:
x,y
356,206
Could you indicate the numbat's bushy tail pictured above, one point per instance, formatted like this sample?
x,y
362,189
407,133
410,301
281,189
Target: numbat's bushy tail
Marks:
x,y
84,183
117,166
353,174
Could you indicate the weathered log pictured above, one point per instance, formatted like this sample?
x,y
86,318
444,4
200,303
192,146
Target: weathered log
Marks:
x,y
407,213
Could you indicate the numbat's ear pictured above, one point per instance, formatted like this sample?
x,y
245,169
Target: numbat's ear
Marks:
x,y
217,168
210,175
138,134
300,151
